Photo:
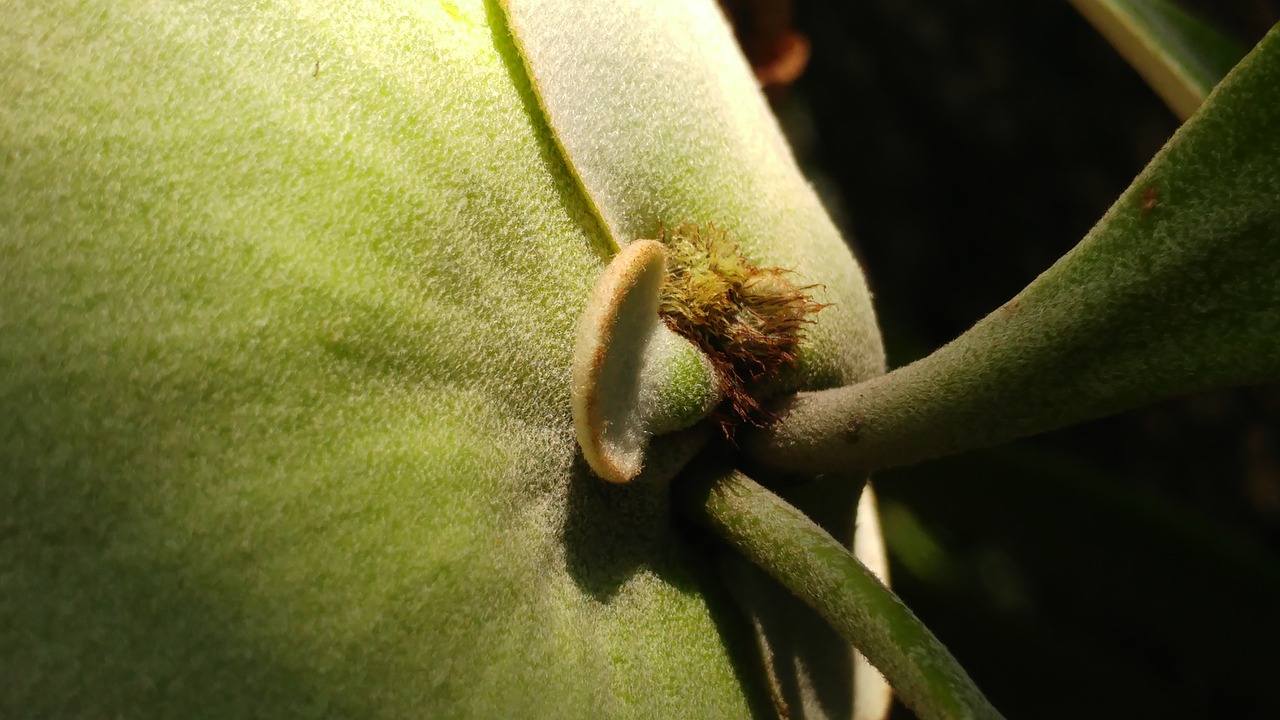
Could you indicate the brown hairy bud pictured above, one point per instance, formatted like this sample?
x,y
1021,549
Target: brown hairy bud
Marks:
x,y
748,320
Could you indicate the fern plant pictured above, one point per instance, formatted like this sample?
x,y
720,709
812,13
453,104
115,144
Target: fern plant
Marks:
x,y
339,380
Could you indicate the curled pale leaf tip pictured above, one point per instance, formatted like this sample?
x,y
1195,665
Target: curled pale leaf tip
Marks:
x,y
632,377
674,327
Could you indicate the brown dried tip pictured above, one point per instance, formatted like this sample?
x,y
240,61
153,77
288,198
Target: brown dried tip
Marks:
x,y
765,31
748,320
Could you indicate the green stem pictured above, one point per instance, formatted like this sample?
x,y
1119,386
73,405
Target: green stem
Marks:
x,y
1175,290
820,571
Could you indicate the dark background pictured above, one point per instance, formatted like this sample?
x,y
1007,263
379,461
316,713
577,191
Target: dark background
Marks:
x,y
1125,568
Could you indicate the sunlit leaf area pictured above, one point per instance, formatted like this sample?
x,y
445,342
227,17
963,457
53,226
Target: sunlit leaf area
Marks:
x,y
476,359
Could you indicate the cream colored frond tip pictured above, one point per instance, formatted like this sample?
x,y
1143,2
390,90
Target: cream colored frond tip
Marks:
x,y
632,377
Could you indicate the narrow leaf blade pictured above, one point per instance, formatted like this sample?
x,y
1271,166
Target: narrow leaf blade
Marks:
x,y
1179,56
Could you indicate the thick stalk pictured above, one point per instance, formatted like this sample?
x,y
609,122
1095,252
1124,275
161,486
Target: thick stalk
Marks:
x,y
1176,290
817,569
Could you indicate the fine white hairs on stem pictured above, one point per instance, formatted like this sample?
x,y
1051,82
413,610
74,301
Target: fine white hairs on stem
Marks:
x,y
632,377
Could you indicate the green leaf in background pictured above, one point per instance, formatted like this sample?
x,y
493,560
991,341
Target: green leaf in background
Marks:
x,y
287,301
1180,57
1176,289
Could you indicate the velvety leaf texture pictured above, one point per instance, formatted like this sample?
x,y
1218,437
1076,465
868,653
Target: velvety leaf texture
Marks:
x,y
668,127
288,298
287,301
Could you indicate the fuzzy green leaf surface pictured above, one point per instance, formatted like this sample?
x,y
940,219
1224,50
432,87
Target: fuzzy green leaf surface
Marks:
x,y
693,143
1176,289
1179,56
287,302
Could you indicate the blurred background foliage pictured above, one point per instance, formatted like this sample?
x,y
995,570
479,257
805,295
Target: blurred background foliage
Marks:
x,y
1126,568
